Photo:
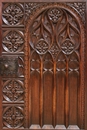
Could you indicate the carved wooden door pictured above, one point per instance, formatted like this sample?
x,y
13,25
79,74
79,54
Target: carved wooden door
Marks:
x,y
42,65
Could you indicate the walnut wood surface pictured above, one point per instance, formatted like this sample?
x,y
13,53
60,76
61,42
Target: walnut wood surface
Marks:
x,y
43,65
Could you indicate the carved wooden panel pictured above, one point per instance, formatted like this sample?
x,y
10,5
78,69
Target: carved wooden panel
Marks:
x,y
13,14
13,116
13,40
13,90
42,65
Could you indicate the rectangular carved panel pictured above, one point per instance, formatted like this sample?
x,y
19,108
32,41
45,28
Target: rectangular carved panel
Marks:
x,y
13,117
43,82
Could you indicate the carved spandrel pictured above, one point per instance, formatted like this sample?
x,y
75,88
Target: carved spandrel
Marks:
x,y
29,8
80,7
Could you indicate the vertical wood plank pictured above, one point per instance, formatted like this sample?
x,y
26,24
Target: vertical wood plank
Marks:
x,y
41,95
67,98
73,97
48,94
60,81
35,85
54,96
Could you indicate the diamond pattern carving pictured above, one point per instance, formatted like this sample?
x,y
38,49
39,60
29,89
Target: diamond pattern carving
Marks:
x,y
41,46
13,41
13,91
54,14
13,117
67,47
13,14
54,50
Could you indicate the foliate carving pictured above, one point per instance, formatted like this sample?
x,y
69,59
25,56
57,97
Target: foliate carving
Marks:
x,y
54,29
81,8
42,46
54,14
13,117
8,66
13,41
13,91
67,47
13,14
29,8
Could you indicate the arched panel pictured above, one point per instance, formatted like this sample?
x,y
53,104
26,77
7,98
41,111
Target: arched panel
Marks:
x,y
55,36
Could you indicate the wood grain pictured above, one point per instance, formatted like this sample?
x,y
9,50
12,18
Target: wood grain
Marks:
x,y
48,40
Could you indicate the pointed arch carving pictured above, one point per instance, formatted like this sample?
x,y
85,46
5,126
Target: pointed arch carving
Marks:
x,y
57,29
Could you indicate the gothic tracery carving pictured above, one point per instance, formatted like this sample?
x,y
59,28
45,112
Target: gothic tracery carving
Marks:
x,y
59,37
49,35
54,14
